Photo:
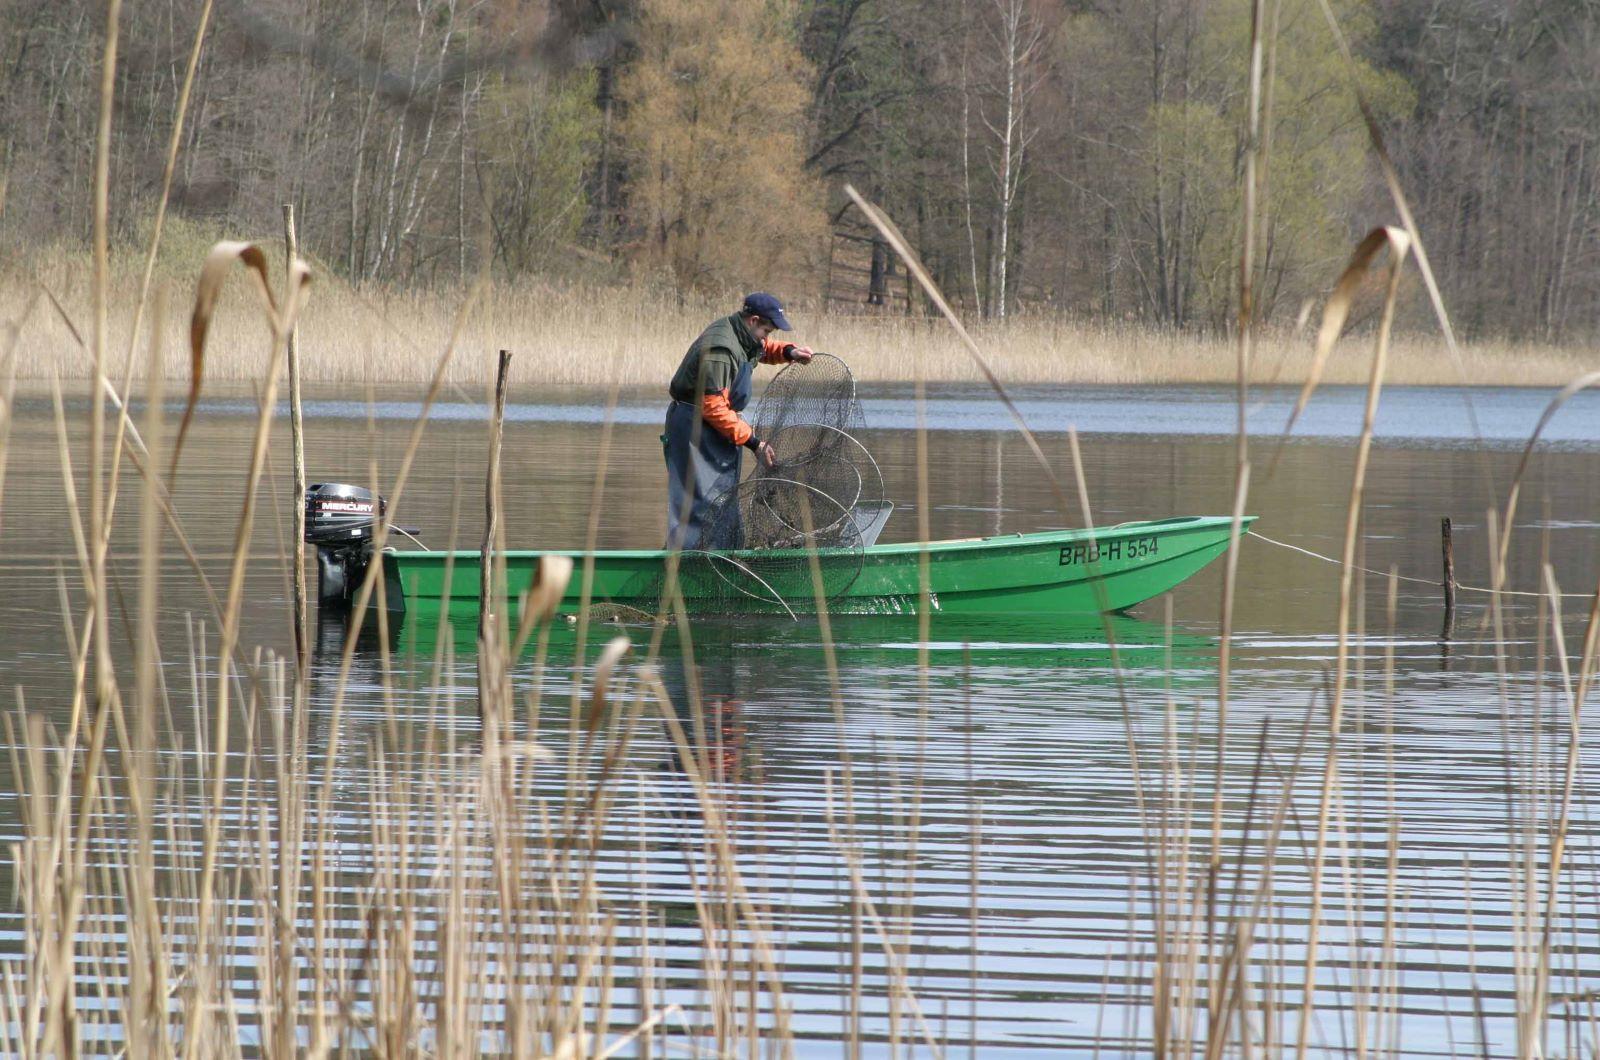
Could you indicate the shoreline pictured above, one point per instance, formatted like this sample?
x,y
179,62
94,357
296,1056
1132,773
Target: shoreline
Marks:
x,y
232,391
1409,417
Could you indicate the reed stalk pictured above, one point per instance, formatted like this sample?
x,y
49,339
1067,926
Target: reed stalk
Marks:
x,y
297,526
1397,244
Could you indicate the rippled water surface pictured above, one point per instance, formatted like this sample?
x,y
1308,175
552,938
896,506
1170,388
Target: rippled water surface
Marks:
x,y
1010,793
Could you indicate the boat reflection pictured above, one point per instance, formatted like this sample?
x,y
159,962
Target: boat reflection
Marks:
x,y
722,672
1053,640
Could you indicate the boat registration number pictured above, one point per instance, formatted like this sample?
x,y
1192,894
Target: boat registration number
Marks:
x,y
1129,548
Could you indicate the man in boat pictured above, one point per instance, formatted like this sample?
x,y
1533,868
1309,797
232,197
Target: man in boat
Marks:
x,y
705,431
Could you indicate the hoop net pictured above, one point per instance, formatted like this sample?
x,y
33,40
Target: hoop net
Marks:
x,y
792,532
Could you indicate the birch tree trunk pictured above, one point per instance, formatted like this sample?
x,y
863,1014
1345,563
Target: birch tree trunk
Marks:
x,y
1018,36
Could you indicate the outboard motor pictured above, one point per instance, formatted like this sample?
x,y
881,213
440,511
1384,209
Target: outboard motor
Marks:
x,y
340,520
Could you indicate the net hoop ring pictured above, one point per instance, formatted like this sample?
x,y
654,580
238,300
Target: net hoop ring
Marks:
x,y
839,520
847,436
723,557
816,358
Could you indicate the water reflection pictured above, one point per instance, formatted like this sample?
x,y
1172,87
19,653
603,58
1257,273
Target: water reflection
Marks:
x,y
708,693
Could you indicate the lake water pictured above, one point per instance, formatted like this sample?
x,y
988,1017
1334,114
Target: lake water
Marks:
x,y
995,815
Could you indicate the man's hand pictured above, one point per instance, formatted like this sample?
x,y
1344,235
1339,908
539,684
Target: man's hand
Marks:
x,y
800,354
763,451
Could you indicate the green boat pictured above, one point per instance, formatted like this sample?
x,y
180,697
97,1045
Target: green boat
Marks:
x,y
1059,572
1054,572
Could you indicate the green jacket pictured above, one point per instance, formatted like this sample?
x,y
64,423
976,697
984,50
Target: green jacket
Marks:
x,y
714,359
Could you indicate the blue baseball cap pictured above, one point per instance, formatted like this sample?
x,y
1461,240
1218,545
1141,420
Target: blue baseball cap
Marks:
x,y
766,305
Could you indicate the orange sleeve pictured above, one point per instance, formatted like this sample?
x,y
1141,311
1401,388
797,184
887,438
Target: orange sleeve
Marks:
x,y
716,411
775,351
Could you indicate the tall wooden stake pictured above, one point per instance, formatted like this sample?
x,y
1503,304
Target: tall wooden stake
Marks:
x,y
1449,579
302,635
488,621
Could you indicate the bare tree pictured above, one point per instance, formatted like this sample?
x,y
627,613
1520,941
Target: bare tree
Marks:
x,y
1018,38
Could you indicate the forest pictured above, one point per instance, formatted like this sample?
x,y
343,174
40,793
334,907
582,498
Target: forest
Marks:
x,y
1075,158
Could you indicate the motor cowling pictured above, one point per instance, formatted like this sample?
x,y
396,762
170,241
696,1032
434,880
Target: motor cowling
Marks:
x,y
341,514
340,521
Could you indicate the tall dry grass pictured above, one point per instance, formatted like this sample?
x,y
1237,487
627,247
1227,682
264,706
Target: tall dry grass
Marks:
x,y
594,336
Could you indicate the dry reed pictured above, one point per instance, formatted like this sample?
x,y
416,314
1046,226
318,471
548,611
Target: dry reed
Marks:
x,y
596,336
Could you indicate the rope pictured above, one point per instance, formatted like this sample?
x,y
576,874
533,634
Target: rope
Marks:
x,y
407,533
1405,578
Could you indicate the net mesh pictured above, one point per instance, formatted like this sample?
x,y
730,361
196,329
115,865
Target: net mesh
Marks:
x,y
821,393
791,537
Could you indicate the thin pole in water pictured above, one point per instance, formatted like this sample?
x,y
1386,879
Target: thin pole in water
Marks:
x,y
1449,584
302,637
488,622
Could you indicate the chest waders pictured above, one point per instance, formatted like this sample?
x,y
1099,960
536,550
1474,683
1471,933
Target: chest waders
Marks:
x,y
701,463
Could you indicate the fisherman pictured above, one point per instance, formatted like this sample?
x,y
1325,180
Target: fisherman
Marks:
x,y
709,390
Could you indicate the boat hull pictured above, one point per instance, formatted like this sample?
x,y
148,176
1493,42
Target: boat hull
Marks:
x,y
1049,573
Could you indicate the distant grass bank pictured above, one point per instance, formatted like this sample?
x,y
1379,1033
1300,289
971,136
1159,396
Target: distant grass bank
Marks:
x,y
635,337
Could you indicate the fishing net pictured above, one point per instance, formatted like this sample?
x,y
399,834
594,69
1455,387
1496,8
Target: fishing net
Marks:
x,y
822,479
813,406
791,538
826,461
768,543
820,391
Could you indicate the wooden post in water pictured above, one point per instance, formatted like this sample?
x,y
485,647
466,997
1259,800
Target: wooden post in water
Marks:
x,y
302,636
488,620
1449,579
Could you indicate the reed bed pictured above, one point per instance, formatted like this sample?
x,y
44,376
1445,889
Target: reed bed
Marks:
x,y
594,335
